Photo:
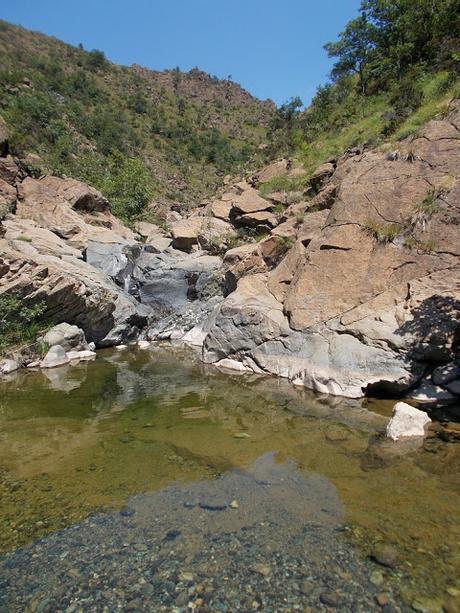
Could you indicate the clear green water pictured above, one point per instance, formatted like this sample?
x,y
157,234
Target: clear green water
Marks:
x,y
78,439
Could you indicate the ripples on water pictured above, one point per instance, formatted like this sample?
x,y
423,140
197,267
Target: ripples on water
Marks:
x,y
173,443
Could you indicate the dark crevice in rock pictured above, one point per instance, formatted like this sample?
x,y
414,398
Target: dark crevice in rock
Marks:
x,y
326,247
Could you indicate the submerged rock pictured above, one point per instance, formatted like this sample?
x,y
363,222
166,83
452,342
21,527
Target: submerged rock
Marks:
x,y
407,422
386,555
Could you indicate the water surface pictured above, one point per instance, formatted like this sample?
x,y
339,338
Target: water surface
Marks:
x,y
172,444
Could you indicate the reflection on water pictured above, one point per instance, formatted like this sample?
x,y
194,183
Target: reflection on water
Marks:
x,y
77,439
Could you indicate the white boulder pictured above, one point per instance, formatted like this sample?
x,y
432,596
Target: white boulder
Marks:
x,y
143,344
407,422
7,366
81,355
67,336
56,356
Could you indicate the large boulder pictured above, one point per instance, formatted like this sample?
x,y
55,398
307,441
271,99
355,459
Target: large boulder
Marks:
x,y
185,233
72,290
32,239
80,196
321,175
8,366
169,281
56,356
259,219
71,209
9,170
215,234
252,329
67,336
249,201
153,235
280,168
7,199
221,209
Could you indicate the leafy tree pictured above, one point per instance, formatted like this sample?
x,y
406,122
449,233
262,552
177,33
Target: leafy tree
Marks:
x,y
353,49
284,125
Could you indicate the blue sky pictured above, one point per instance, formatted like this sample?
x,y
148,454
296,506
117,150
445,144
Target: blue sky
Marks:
x,y
272,47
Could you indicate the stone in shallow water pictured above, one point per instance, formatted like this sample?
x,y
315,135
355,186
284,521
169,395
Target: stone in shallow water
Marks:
x,y
386,555
406,422
7,366
337,434
213,504
56,356
330,599
261,569
376,578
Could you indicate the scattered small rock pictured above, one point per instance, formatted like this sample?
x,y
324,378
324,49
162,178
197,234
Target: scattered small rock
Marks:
x,y
261,569
331,599
376,578
213,504
126,512
386,555
306,587
382,599
241,435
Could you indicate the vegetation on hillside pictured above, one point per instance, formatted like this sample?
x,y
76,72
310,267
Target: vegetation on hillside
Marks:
x,y
19,323
397,66
171,136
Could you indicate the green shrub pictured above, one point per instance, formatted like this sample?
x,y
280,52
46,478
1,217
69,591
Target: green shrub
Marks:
x,y
129,186
19,323
383,233
95,60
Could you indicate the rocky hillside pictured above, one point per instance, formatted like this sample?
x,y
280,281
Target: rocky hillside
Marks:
x,y
349,286
367,297
73,112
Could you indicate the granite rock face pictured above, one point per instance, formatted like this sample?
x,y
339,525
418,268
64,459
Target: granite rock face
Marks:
x,y
369,298
42,251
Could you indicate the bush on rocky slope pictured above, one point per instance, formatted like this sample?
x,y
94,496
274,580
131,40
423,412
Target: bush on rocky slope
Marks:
x,y
19,322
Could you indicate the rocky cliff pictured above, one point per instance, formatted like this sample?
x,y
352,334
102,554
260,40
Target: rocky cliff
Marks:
x,y
349,287
367,298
